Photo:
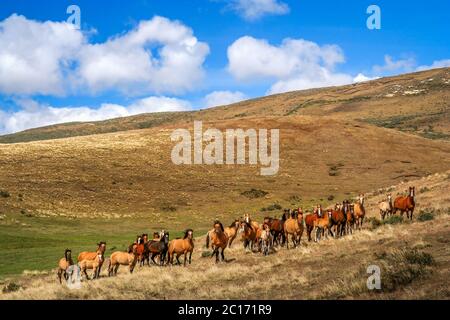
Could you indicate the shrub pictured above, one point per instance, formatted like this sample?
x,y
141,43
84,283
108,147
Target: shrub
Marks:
x,y
168,208
4,194
254,193
425,215
330,198
374,223
393,220
11,287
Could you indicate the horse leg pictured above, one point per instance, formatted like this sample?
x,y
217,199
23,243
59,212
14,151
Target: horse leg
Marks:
x,y
178,260
185,258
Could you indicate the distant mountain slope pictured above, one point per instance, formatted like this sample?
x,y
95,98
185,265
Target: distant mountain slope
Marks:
x,y
417,103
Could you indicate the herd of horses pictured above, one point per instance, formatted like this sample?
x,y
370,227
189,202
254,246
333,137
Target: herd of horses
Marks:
x,y
342,219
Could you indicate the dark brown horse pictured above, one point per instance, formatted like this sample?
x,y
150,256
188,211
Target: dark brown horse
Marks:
x,y
158,247
277,228
310,219
249,234
339,218
405,204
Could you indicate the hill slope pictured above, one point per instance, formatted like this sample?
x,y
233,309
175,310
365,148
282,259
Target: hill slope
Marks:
x,y
416,103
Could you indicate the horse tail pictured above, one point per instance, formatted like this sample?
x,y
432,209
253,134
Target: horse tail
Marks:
x,y
207,240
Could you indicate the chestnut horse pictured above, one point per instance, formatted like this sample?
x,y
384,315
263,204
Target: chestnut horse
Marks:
x,y
294,227
218,239
93,260
277,228
405,204
181,246
350,219
232,231
323,225
360,212
119,258
249,234
64,264
339,218
311,218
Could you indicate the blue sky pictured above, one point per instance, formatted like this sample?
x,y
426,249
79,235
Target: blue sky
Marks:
x,y
329,45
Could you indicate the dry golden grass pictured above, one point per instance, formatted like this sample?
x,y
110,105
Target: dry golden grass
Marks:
x,y
328,270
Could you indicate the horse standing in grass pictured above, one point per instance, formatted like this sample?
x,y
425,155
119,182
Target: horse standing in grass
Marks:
x,y
159,248
323,225
405,204
64,264
119,258
92,260
232,231
277,228
386,207
338,219
182,246
311,218
266,240
294,227
350,219
360,212
219,240
249,234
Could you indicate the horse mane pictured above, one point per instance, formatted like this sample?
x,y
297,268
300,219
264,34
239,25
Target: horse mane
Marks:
x,y
232,224
186,233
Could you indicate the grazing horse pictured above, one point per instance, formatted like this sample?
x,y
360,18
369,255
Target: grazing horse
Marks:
x,y
360,212
294,227
405,204
249,234
159,247
219,240
266,240
182,246
92,260
232,231
310,219
323,224
386,207
119,258
339,218
64,264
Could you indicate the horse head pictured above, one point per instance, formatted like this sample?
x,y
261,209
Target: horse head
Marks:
x,y
68,254
188,234
101,246
165,238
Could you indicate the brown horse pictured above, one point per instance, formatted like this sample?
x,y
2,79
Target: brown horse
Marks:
x,y
277,228
64,264
119,258
339,218
350,219
360,212
93,260
311,218
218,239
181,246
323,225
232,231
405,204
294,227
249,234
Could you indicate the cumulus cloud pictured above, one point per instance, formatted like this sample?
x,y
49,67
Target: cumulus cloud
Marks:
x,y
295,64
157,56
391,65
255,9
436,64
33,114
363,78
221,98
34,56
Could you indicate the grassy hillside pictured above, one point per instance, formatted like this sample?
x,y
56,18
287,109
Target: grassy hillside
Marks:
x,y
413,258
416,103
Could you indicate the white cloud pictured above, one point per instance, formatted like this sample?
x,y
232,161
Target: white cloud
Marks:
x,y
34,55
33,114
221,98
296,63
363,78
391,65
126,62
254,9
436,64
158,56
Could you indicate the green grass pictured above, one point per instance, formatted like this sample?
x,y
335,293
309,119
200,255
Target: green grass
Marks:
x,y
41,244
